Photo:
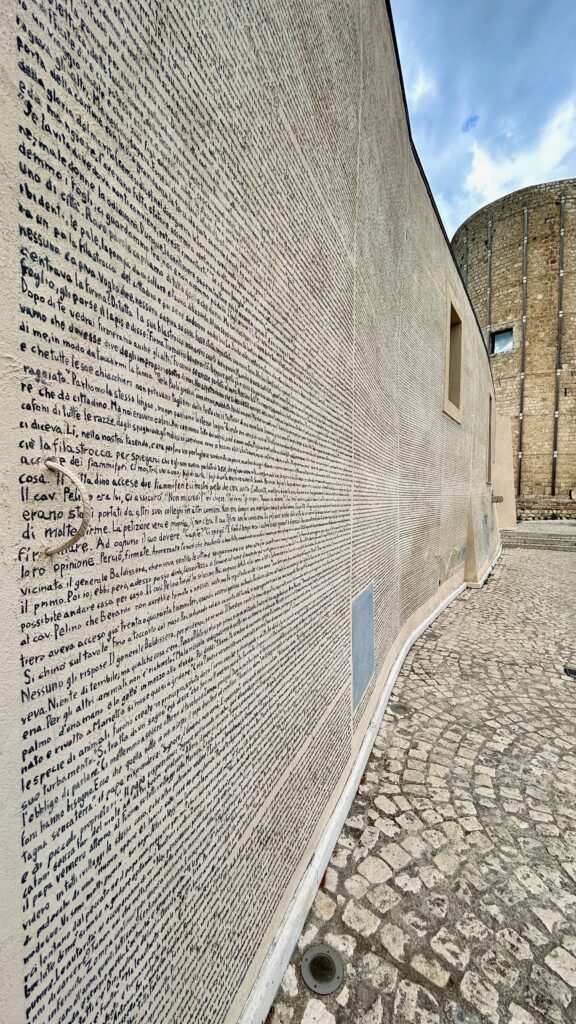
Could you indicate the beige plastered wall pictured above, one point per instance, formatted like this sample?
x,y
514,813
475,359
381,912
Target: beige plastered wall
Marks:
x,y
289,291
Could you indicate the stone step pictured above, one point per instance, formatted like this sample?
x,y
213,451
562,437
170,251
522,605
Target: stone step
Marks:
x,y
538,541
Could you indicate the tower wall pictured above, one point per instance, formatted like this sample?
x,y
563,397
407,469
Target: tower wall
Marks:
x,y
518,257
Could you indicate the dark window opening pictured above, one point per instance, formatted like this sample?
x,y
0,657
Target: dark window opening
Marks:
x,y
501,342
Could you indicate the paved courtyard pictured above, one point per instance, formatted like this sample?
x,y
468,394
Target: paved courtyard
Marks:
x,y
451,893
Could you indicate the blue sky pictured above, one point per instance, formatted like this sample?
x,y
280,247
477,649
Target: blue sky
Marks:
x,y
491,90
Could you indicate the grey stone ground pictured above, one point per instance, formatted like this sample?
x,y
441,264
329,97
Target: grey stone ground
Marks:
x,y
451,893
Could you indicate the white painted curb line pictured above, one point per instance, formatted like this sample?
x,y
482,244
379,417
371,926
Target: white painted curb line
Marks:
x,y
278,956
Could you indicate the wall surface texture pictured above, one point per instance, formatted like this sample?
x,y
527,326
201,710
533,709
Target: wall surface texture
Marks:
x,y
225,305
518,256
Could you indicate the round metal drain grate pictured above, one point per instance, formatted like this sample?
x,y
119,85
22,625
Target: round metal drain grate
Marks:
x,y
322,969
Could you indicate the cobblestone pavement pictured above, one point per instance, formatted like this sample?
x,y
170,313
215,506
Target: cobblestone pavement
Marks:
x,y
451,893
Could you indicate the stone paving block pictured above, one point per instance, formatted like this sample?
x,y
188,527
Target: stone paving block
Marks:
x,y
415,1005
570,869
374,1015
569,943
481,994
434,838
355,822
307,937
323,906
343,943
356,886
446,862
282,1014
394,940
380,973
407,882
383,898
409,821
289,985
456,1013
534,936
343,996
385,805
375,870
437,905
316,1013
331,880
370,837
514,944
431,817
340,857
414,846
360,919
473,929
417,923
499,968
517,1015
431,969
563,964
431,877
547,994
387,827
530,880
395,856
448,947
471,824
402,803
550,918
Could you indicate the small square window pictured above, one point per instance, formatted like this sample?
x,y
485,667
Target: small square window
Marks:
x,y
501,342
453,368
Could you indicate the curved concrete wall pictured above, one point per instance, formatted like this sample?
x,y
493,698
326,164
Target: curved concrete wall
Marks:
x,y
226,308
530,234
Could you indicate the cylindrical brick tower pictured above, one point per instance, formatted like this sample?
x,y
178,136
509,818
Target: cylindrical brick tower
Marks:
x,y
518,258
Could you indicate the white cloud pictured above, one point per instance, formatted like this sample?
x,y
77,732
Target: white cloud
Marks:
x,y
491,177
423,85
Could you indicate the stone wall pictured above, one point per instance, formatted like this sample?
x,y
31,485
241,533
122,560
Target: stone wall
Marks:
x,y
226,301
533,229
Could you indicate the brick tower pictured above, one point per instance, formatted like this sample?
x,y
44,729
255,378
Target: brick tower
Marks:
x,y
518,258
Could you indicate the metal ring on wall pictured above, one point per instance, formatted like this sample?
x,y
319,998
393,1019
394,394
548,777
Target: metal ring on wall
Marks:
x,y
55,467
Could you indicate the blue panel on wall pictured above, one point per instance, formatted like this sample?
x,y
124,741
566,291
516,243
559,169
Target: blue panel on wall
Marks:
x,y
362,642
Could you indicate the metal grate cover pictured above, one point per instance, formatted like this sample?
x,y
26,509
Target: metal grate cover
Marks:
x,y
322,969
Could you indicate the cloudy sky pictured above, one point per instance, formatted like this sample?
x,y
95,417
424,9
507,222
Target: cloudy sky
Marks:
x,y
491,88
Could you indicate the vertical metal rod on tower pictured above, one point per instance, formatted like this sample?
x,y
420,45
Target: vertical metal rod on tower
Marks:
x,y
523,349
489,284
465,261
558,345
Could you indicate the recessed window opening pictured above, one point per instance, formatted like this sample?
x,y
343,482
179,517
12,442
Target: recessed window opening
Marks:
x,y
501,341
453,368
455,358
